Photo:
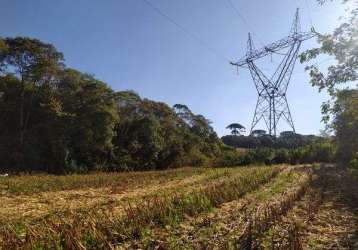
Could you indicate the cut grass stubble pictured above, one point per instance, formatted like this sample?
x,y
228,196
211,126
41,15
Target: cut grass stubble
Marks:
x,y
100,229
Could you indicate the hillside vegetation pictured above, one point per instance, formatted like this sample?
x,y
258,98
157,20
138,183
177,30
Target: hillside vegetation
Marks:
x,y
61,121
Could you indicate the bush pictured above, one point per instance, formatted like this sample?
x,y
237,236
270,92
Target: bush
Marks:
x,y
317,152
282,156
196,159
353,165
231,158
262,155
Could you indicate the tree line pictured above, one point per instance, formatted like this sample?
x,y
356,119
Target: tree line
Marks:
x,y
59,120
259,138
260,147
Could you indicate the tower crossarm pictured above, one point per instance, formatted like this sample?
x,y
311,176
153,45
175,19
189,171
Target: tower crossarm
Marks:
x,y
274,47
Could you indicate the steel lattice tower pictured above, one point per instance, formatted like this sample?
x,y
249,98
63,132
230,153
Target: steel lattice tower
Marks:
x,y
272,103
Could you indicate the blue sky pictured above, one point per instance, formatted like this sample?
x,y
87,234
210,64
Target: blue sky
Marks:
x,y
130,46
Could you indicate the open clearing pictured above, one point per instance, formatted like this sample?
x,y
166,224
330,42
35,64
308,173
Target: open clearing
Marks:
x,y
276,207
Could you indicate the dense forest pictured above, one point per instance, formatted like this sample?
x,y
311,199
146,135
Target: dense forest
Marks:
x,y
58,120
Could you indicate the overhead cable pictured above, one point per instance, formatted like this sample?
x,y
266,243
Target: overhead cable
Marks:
x,y
241,17
184,30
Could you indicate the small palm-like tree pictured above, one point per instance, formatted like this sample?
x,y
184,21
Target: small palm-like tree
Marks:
x,y
236,128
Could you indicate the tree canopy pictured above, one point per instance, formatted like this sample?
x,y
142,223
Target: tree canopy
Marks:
x,y
339,79
288,141
236,128
59,120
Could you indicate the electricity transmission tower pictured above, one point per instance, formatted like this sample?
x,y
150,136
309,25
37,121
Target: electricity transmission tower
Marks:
x,y
272,103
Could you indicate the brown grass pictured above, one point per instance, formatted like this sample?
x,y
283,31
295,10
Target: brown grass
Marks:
x,y
279,207
72,229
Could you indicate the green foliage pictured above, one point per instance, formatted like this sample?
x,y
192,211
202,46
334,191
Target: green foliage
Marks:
x,y
91,115
262,155
258,133
340,113
197,158
345,124
315,152
282,155
28,73
236,128
232,158
151,135
59,120
288,140
354,165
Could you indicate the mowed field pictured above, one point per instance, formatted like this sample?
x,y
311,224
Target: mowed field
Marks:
x,y
274,207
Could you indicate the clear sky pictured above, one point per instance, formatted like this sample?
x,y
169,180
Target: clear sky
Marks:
x,y
130,46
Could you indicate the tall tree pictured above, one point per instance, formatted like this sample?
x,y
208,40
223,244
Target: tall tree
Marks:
x,y
342,45
34,64
345,124
91,117
236,128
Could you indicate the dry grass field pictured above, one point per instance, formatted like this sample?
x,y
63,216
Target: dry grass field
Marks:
x,y
275,207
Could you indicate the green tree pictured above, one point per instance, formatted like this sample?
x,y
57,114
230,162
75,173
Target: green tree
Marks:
x,y
339,113
35,65
258,133
345,123
53,117
148,136
236,128
59,120
90,117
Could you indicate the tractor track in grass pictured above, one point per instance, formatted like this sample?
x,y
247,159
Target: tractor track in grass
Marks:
x,y
39,205
221,229
287,207
317,213
107,229
326,218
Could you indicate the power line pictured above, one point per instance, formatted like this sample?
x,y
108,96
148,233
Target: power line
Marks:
x,y
304,4
309,12
237,12
187,32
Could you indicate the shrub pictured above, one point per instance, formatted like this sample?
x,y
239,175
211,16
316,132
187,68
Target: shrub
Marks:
x,y
232,158
196,158
262,155
281,156
354,165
